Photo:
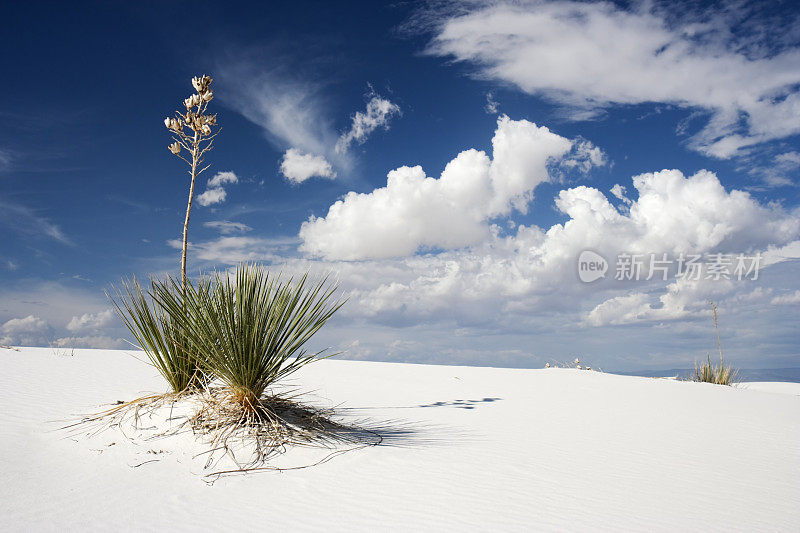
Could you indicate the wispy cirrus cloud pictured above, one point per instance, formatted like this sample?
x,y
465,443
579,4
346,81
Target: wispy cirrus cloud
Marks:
x,y
289,105
296,116
27,221
226,227
589,56
5,160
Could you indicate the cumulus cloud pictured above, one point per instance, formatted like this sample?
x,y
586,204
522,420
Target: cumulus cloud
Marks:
x,y
588,56
28,331
525,284
215,188
414,211
298,167
585,156
534,270
226,227
91,321
620,309
377,115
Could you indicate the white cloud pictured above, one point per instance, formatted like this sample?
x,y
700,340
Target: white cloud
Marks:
x,y
377,115
620,309
26,221
231,250
287,103
91,321
226,227
533,272
212,196
585,156
102,342
520,295
492,107
298,167
414,211
290,105
787,299
619,191
221,179
28,331
215,188
780,171
591,55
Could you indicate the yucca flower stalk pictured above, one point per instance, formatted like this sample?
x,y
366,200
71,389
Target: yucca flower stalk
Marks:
x,y
722,374
193,132
160,336
251,327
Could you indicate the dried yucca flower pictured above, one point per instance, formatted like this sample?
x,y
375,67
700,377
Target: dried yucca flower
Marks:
x,y
196,143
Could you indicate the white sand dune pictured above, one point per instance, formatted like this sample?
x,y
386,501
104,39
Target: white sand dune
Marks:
x,y
471,449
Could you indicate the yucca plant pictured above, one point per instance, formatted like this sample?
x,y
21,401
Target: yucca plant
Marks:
x,y
160,335
250,327
722,374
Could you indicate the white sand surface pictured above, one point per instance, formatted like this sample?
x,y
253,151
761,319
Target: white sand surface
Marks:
x,y
467,449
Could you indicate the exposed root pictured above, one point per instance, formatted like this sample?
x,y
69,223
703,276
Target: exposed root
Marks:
x,y
268,427
248,433
125,413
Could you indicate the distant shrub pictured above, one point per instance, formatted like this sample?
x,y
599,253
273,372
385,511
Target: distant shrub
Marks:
x,y
722,374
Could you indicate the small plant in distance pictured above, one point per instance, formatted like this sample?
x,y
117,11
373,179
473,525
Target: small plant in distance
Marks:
x,y
722,374
575,363
193,135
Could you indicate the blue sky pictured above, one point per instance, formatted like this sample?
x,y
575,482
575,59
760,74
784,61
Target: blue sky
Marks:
x,y
474,267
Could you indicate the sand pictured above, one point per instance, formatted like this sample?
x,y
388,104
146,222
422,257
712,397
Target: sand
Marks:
x,y
468,449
